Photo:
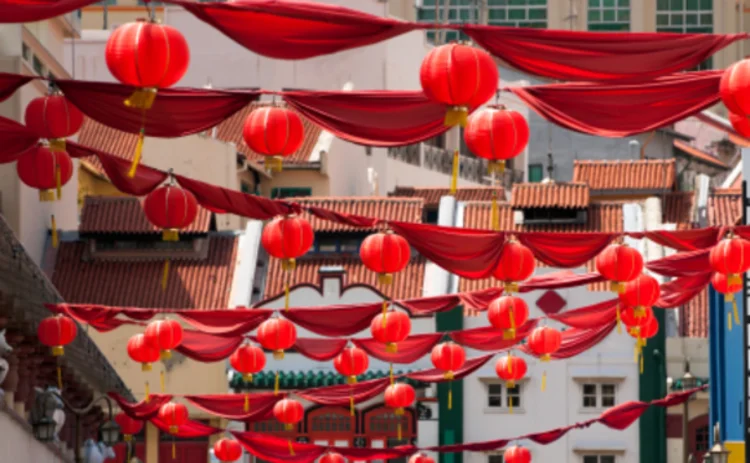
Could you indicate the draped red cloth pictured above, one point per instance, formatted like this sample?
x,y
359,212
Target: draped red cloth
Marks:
x,y
341,394
295,29
489,339
597,56
229,322
232,406
576,341
189,430
682,264
434,375
565,250
26,11
681,290
176,112
9,83
559,280
684,240
15,139
206,347
590,317
320,349
142,410
377,117
622,110
410,349
335,320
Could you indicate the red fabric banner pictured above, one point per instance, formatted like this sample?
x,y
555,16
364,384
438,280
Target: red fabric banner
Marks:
x,y
9,83
320,349
27,11
410,349
334,320
612,110
341,394
597,56
232,406
144,410
15,139
565,250
489,339
295,29
590,317
207,348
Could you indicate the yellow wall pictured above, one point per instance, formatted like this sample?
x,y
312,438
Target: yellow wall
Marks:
x,y
90,184
297,179
737,451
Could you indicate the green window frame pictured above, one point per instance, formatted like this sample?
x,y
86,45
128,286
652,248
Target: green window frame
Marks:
x,y
290,192
686,16
536,173
609,15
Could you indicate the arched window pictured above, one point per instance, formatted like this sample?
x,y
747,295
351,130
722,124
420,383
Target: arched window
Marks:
x,y
381,428
331,426
272,426
698,432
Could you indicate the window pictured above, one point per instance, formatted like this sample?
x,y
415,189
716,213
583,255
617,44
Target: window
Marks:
x,y
609,15
701,439
501,397
280,193
495,459
336,244
536,172
686,16
268,426
495,395
349,245
331,422
26,52
598,395
599,459
37,65
387,423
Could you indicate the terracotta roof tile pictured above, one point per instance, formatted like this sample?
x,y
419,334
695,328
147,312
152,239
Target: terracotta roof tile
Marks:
x,y
694,317
406,284
391,208
432,195
700,155
550,195
626,175
102,214
100,137
205,283
601,217
725,207
737,184
678,208
231,131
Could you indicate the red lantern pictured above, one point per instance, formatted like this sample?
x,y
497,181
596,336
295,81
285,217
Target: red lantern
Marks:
x,y
507,313
460,77
142,352
53,117
740,123
56,333
734,88
351,362
510,369
421,458
390,328
173,415
721,284
399,396
386,254
128,426
45,170
645,331
517,454
277,335
619,263
227,450
641,292
273,132
332,457
731,256
516,264
170,208
496,134
164,335
449,357
289,412
287,238
544,341
632,316
248,360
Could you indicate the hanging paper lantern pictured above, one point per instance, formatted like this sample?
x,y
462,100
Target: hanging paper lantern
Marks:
x,y
516,454
53,117
289,412
508,313
619,263
734,88
460,77
332,457
544,341
421,458
277,335
170,208
248,360
287,238
630,316
227,450
496,134
641,292
386,254
731,256
129,427
139,350
646,330
510,369
721,284
390,328
164,335
740,123
45,170
449,357
516,264
273,132
56,333
351,362
173,415
399,396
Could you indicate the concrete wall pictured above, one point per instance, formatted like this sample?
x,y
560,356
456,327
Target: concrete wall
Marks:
x,y
17,442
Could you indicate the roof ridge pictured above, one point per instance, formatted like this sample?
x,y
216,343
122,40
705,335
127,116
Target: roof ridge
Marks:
x,y
622,161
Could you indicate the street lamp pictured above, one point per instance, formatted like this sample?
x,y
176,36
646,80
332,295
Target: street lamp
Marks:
x,y
718,453
44,425
687,382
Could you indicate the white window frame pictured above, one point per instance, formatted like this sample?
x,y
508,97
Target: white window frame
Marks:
x,y
503,408
683,14
598,395
601,9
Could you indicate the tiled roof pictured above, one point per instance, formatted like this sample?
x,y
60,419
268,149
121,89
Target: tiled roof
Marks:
x,y
601,217
694,317
231,131
100,137
549,195
204,283
626,175
677,208
701,156
125,215
392,208
725,207
432,195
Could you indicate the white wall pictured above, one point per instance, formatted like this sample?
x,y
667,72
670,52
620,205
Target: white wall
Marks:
x,y
17,443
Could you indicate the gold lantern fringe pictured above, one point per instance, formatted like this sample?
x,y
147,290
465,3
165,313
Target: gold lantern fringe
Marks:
x,y
351,380
619,320
278,354
729,321
247,403
510,287
639,311
456,115
288,264
58,181
454,173
165,355
730,298
142,99
59,375
734,279
58,351
145,367
247,377
273,163
174,448
55,237
385,278
385,313
544,380
617,287
390,374
56,144
496,167
391,347
46,196
170,234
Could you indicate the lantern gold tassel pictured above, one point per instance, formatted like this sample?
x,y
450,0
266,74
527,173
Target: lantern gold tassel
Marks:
x,y
619,320
163,382
510,333
291,448
142,99
137,154
450,396
398,429
247,403
170,234
734,279
46,196
58,181
129,450
496,167
617,287
148,394
734,309
274,163
286,295
385,279
385,313
456,115
174,450
57,144
351,405
729,321
390,373
59,376
55,238
288,265
510,405
544,381
495,213
454,173
165,275
276,384
641,364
